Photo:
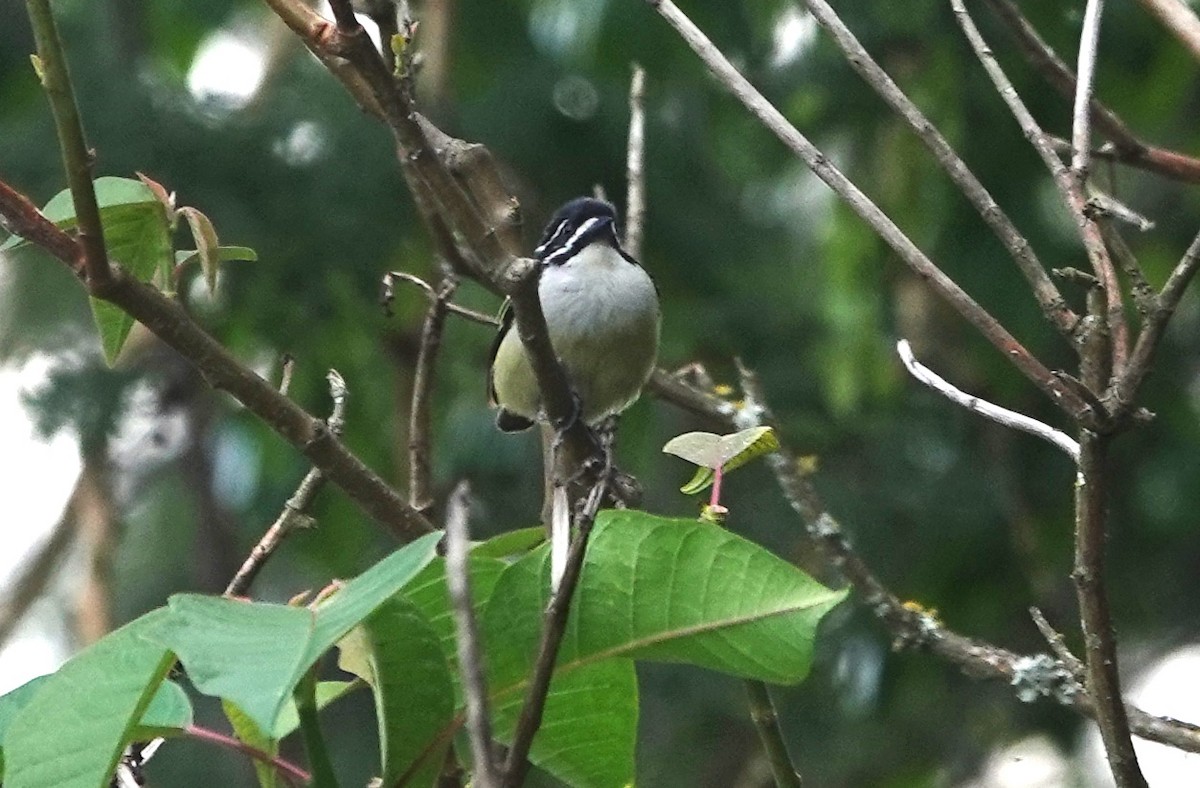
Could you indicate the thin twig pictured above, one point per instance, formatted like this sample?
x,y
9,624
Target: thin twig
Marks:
x,y
290,772
635,164
1179,19
295,512
76,156
862,205
908,624
470,657
1069,186
1004,416
431,293
420,415
1051,301
1081,116
766,722
554,624
1126,387
1055,640
1125,146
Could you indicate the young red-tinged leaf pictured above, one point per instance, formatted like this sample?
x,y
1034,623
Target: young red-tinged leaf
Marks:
x,y
161,194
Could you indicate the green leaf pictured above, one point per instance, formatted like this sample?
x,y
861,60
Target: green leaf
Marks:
x,y
511,543
327,693
399,654
73,730
205,236
254,654
169,712
652,588
728,452
137,236
225,254
11,703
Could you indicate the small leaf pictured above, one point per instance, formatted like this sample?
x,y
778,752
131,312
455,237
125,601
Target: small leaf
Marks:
x,y
160,192
169,712
205,236
136,235
226,254
246,731
92,703
728,452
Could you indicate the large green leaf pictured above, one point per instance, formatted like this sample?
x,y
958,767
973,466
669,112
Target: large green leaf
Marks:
x,y
73,730
137,235
651,588
399,654
254,654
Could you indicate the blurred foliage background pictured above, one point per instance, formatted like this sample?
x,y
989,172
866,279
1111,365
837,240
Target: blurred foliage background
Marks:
x,y
753,258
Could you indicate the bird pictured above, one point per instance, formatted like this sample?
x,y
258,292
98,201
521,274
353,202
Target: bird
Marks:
x,y
602,313
604,319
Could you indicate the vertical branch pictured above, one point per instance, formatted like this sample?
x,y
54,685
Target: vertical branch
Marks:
x,y
470,657
96,522
1081,120
554,626
1103,683
419,417
635,164
762,713
77,158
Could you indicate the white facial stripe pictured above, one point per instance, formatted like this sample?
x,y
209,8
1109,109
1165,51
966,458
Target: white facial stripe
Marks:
x,y
571,246
562,228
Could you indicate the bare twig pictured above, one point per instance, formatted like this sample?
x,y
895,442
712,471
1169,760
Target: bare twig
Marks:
x,y
76,156
1125,146
766,722
1127,385
295,511
635,164
419,417
470,657
1069,185
554,624
909,625
431,293
285,376
1179,19
883,226
1081,116
21,217
290,772
1009,418
1053,305
1055,640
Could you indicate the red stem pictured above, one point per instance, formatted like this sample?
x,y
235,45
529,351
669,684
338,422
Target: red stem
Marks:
x,y
715,499
289,771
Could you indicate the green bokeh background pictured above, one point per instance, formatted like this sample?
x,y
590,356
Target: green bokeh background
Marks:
x,y
753,258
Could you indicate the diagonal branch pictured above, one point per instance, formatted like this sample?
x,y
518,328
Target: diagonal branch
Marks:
x,y
908,624
862,205
1125,146
1179,19
1069,184
1050,300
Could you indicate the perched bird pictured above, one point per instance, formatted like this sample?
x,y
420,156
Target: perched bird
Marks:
x,y
602,312
603,318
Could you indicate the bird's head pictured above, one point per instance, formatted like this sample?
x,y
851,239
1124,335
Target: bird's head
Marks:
x,y
576,224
